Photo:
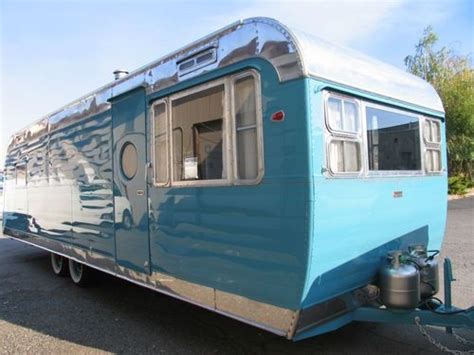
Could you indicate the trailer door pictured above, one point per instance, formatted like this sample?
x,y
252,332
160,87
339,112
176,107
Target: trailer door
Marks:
x,y
129,187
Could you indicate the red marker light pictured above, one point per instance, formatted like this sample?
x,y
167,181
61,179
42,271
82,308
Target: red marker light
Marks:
x,y
278,116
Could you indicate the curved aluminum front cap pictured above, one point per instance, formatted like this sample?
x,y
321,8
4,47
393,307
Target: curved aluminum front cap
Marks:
x,y
351,68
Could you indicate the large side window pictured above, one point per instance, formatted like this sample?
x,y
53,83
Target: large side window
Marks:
x,y
432,138
245,110
343,121
211,134
199,119
393,140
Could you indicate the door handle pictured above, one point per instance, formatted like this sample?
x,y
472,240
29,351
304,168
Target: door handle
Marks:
x,y
148,165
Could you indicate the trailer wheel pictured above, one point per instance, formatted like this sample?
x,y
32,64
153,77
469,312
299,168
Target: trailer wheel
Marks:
x,y
80,273
59,264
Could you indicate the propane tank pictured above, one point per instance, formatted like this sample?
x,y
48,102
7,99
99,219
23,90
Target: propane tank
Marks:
x,y
399,283
429,270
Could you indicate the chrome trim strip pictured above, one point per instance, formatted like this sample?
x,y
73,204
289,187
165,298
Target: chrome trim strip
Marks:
x,y
271,318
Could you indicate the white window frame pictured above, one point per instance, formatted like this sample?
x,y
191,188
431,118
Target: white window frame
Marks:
x,y
229,129
334,134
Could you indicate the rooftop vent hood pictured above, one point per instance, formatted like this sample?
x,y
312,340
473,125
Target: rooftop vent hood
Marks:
x,y
120,73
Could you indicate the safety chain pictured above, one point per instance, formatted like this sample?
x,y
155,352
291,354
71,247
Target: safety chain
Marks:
x,y
438,344
462,340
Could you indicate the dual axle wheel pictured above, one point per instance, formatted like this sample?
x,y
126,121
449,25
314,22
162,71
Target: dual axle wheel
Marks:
x,y
80,274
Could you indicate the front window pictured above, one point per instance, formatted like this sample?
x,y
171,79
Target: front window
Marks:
x,y
432,138
343,115
368,139
393,140
432,131
344,156
432,160
343,121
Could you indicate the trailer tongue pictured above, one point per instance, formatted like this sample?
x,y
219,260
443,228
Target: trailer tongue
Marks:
x,y
392,300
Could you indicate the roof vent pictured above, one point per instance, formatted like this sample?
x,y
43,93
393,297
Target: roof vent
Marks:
x,y
197,61
120,73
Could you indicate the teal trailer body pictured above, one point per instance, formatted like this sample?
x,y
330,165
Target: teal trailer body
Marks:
x,y
258,172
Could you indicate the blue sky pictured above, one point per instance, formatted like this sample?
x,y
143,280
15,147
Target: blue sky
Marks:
x,y
55,51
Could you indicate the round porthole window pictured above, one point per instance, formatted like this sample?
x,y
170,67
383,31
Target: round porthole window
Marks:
x,y
128,160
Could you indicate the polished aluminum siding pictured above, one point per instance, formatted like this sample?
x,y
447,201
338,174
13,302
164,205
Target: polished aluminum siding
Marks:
x,y
293,53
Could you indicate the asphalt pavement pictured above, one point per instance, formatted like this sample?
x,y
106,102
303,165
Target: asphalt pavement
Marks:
x,y
43,313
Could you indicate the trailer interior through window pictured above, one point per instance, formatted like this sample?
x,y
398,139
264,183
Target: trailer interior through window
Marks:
x,y
366,139
214,136
393,140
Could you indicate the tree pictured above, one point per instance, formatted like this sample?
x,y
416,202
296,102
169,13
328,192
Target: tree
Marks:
x,y
453,78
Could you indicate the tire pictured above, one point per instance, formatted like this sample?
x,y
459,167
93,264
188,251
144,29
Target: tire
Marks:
x,y
80,274
127,220
59,264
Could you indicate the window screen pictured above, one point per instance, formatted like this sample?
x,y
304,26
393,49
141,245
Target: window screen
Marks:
x,y
161,151
198,147
393,140
246,128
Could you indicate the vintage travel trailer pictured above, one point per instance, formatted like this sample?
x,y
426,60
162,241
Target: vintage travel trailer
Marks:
x,y
259,172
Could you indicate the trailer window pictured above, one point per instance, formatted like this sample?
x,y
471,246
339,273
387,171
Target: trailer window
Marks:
x,y
199,117
160,143
431,131
343,122
343,115
393,140
432,160
432,138
20,172
210,135
245,108
128,160
344,156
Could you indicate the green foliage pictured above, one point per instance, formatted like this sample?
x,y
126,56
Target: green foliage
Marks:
x,y
459,185
453,78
